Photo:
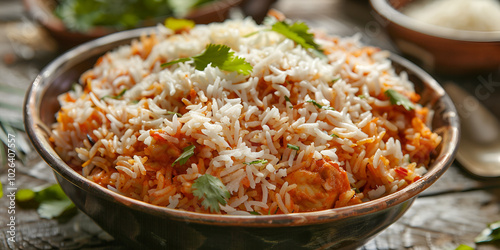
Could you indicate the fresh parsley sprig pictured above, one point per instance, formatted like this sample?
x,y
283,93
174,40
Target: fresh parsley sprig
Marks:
x,y
212,191
397,98
217,55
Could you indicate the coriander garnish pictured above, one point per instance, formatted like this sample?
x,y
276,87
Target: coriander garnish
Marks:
x,y
397,98
217,55
187,152
299,33
212,191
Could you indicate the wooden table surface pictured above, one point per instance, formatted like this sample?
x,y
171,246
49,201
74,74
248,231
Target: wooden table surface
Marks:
x,y
451,212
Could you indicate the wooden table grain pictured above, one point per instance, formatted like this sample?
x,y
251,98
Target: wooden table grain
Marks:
x,y
451,212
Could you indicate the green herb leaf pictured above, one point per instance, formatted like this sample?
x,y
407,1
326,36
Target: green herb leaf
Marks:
x,y
1,190
256,162
464,247
187,152
25,195
51,201
212,191
53,192
54,208
399,99
83,15
218,55
254,213
334,135
291,146
288,99
174,113
315,103
177,25
319,105
489,234
362,96
299,33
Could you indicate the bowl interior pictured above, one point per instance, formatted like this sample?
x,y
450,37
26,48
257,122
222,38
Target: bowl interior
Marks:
x,y
391,9
41,105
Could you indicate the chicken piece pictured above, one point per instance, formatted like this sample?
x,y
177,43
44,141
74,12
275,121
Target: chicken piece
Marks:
x,y
319,187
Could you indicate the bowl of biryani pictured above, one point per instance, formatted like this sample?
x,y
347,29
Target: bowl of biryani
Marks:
x,y
452,37
234,134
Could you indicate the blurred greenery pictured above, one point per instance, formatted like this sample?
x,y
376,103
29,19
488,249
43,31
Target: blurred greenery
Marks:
x,y
82,15
50,201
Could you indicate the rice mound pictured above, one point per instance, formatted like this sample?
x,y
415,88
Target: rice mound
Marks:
x,y
300,133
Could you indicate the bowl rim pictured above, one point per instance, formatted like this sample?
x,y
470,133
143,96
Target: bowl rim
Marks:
x,y
36,129
386,10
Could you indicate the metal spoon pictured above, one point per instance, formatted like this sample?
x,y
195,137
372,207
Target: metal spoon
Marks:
x,y
479,149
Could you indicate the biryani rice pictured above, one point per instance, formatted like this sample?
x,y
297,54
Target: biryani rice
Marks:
x,y
129,119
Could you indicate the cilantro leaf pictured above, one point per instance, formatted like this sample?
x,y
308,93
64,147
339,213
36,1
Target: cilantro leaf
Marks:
x,y
212,191
299,33
397,98
256,162
218,55
54,208
489,234
51,202
291,146
254,213
334,135
1,190
178,25
187,152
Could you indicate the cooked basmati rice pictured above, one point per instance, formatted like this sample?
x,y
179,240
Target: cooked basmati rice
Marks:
x,y
128,122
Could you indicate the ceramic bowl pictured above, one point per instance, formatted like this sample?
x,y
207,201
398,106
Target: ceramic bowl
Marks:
x,y
439,49
139,224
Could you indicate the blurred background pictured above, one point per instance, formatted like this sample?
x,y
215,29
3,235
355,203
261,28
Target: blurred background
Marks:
x,y
454,211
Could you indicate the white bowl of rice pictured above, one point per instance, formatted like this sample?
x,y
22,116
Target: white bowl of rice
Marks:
x,y
454,37
233,134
